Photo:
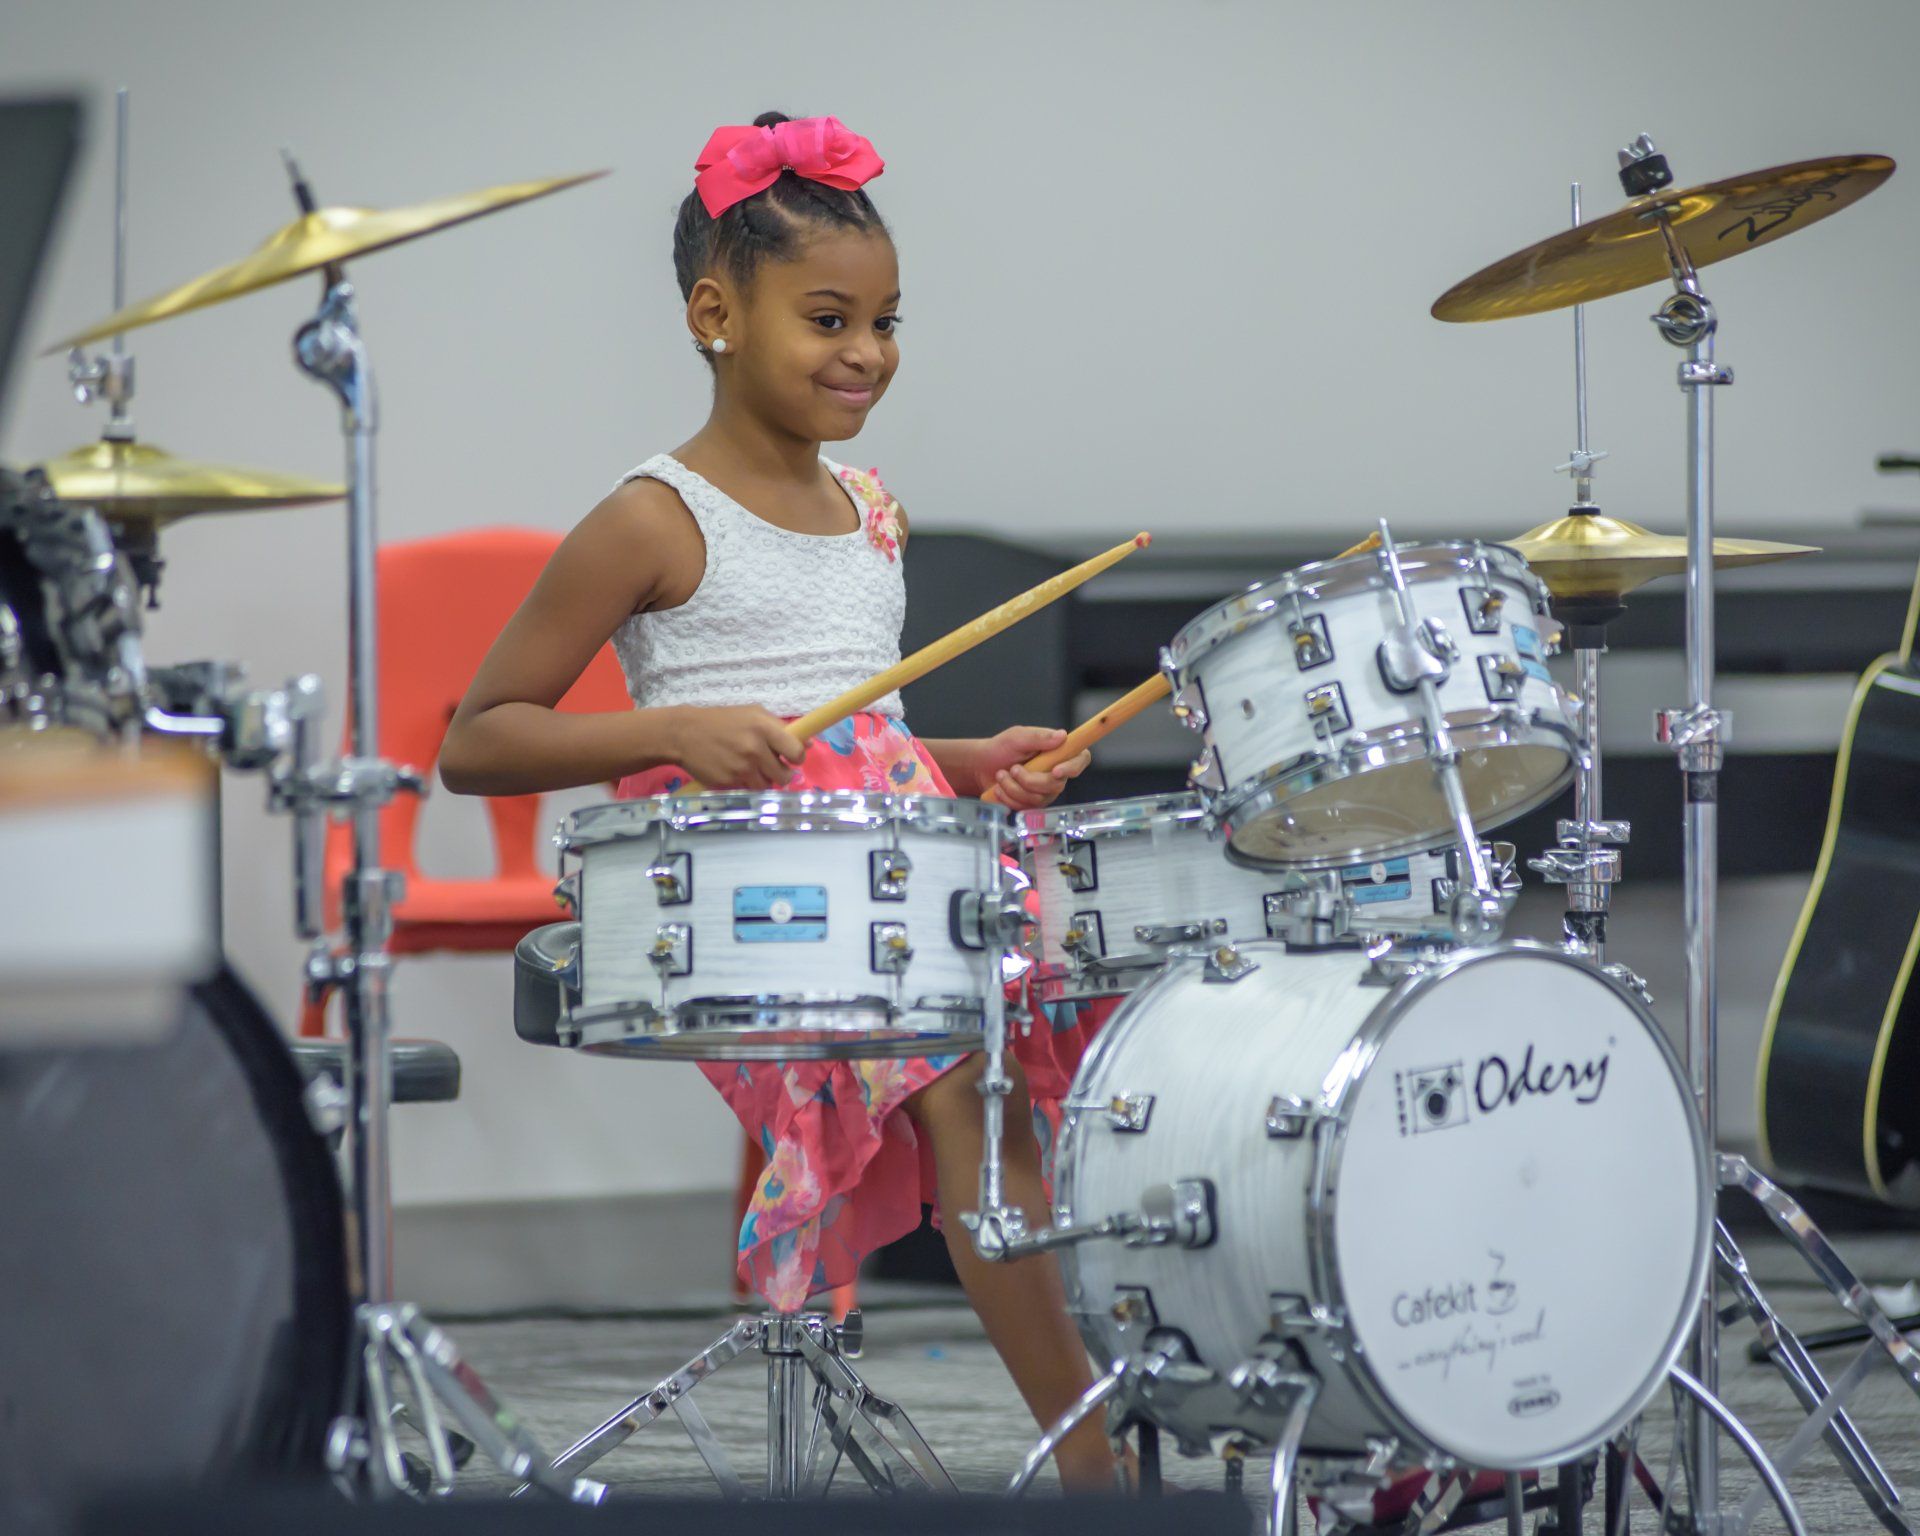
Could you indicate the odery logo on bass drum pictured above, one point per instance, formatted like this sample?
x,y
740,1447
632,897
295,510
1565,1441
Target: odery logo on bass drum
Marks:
x,y
1527,1404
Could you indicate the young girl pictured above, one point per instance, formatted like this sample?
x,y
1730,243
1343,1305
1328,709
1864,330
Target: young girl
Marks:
x,y
744,580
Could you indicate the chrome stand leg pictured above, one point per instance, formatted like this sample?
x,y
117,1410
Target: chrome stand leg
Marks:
x,y
665,1394
1516,1505
1089,1401
1721,1416
855,1404
398,1335
811,1387
1296,1393
1823,1404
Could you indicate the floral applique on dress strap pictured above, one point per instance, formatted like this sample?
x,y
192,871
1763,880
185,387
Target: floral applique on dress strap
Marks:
x,y
885,530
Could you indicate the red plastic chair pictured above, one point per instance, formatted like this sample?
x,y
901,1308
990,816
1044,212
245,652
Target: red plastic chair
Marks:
x,y
442,602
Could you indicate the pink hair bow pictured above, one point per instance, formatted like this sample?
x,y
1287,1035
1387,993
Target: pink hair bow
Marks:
x,y
739,162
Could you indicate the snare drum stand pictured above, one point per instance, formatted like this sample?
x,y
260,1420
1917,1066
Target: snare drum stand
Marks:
x,y
1697,733
398,1347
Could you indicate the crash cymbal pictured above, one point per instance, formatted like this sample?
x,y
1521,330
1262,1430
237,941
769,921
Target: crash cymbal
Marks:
x,y
139,482
1623,249
1588,555
319,239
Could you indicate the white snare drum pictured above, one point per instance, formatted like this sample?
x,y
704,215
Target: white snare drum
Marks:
x,y
753,926
1476,1205
1121,882
1312,760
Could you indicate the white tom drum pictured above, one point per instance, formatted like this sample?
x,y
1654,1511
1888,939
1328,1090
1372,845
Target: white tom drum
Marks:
x,y
762,926
1475,1204
1312,759
1120,883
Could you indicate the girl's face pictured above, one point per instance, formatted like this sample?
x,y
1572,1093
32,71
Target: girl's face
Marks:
x,y
815,346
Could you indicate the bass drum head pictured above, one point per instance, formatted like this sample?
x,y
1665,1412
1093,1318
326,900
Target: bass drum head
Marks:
x,y
1388,812
174,1264
1520,1208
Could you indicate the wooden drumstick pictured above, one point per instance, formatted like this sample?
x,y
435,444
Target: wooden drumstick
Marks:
x,y
1084,735
965,638
1124,708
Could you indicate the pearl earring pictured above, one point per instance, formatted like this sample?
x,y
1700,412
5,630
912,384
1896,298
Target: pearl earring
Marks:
x,y
719,343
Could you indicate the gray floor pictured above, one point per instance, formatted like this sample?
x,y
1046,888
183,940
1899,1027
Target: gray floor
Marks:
x,y
564,1376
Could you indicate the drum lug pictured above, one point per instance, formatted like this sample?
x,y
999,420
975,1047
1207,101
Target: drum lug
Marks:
x,y
1189,706
566,893
1290,1316
672,952
1503,678
1483,605
1266,1385
672,877
1129,1112
1133,1308
1180,933
1311,645
1085,942
1180,1213
887,871
1288,1117
1079,862
1327,711
1205,774
1226,964
889,949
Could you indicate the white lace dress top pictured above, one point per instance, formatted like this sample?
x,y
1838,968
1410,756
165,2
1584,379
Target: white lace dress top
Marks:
x,y
780,619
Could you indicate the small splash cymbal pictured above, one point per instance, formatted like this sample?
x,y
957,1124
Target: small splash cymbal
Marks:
x,y
1590,555
1623,249
323,238
142,483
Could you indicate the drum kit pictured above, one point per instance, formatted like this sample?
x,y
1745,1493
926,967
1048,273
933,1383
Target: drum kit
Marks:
x,y
1347,1177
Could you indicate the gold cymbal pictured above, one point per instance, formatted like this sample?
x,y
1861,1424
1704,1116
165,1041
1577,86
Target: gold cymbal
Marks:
x,y
315,240
1589,555
139,482
1623,249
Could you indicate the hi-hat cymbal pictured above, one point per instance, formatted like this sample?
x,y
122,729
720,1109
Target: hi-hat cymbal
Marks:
x,y
1623,249
142,483
319,239
1587,555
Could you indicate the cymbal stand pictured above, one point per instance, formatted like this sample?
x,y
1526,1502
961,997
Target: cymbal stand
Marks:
x,y
400,1349
1697,735
1587,860
109,377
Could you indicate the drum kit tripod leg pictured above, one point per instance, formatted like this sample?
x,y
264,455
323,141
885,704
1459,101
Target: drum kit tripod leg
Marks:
x,y
820,1412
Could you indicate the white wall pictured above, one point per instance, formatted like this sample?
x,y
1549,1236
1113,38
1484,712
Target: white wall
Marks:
x,y
1166,265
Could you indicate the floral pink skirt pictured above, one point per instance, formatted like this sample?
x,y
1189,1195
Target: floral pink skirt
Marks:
x,y
845,1172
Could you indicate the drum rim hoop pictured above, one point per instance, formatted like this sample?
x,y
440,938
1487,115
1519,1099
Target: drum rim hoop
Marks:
x,y
1323,579
862,1010
1124,817
1402,744
810,810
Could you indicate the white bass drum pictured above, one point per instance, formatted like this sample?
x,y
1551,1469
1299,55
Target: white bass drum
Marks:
x,y
1475,1204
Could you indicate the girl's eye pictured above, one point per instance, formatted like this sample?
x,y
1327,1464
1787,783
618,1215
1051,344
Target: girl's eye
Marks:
x,y
829,322
886,325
